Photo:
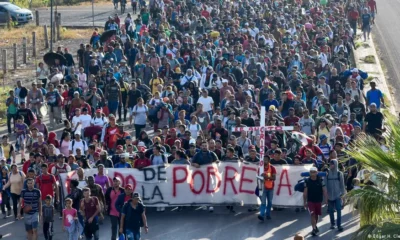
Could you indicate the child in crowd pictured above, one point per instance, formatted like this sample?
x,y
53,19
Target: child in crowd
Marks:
x,y
48,218
70,220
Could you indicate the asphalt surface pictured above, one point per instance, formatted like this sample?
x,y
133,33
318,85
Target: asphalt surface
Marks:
x,y
220,225
386,34
82,16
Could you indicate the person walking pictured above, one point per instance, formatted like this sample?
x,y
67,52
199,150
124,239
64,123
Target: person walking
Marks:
x,y
111,197
269,176
32,200
313,195
90,208
15,182
335,187
70,220
133,217
48,218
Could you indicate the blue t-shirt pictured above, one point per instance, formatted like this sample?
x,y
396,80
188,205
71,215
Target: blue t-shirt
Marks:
x,y
366,18
31,198
122,165
374,96
267,103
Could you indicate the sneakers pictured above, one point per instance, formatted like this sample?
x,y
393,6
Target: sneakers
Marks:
x,y
332,226
340,229
261,218
269,217
316,229
211,209
314,232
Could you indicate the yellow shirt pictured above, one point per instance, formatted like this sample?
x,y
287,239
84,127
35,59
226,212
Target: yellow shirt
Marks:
x,y
154,83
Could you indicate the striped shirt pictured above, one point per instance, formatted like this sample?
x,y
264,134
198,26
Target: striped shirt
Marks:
x,y
32,199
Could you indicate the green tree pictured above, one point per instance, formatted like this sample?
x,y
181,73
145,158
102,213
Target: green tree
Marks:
x,y
379,204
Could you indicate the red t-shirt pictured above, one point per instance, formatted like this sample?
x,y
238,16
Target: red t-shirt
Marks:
x,y
290,121
372,5
315,149
45,185
347,129
171,141
354,15
26,166
141,163
110,138
90,207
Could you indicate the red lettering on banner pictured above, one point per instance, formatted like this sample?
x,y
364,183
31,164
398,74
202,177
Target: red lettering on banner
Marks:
x,y
120,176
213,171
250,129
287,184
131,180
230,179
192,182
243,179
176,181
278,128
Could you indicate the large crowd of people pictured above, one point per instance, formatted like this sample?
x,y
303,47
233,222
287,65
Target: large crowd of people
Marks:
x,y
168,86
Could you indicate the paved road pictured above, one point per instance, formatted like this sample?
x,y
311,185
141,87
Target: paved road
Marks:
x,y
220,225
82,15
386,34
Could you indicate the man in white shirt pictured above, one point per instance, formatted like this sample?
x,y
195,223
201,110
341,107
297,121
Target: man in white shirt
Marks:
x,y
77,143
188,77
98,119
85,118
207,101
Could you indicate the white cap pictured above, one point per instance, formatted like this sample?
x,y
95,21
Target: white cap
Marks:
x,y
355,70
313,169
162,40
141,144
225,80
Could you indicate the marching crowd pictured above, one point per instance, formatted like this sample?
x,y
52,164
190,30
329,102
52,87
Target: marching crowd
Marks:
x,y
169,86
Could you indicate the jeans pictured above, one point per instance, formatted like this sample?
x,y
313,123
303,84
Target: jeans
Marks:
x,y
113,106
114,226
332,205
54,114
15,199
81,221
138,129
9,117
265,209
72,233
120,106
48,230
5,203
132,235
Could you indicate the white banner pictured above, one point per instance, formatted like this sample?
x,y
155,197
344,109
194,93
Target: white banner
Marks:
x,y
222,183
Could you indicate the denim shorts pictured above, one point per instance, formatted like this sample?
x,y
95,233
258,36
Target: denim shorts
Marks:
x,y
132,235
31,221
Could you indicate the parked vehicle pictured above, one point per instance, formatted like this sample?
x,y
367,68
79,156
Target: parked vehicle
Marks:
x,y
17,14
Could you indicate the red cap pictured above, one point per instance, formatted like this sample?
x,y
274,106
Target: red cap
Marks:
x,y
129,186
173,130
252,147
120,147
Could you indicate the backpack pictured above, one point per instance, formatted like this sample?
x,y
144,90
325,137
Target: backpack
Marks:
x,y
83,142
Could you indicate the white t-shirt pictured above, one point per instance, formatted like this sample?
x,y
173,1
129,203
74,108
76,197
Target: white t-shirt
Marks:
x,y
83,146
54,169
75,121
101,121
85,120
194,129
206,103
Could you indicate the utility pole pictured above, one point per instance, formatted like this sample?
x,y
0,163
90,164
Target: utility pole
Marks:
x,y
51,26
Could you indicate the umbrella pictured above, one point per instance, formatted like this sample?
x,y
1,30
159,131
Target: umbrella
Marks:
x,y
107,35
347,73
50,57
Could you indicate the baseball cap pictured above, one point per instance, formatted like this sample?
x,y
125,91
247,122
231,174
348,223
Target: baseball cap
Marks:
x,y
173,130
136,195
120,147
111,116
323,137
129,187
313,169
117,179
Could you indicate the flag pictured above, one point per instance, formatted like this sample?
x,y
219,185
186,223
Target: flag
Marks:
x,y
304,139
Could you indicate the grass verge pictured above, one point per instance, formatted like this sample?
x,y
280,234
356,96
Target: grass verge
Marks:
x,y
15,35
3,108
